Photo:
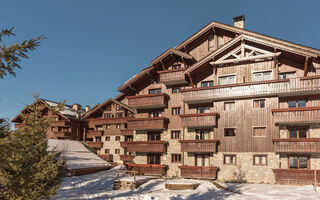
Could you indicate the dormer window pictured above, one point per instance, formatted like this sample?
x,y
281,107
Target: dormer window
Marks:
x,y
155,91
176,66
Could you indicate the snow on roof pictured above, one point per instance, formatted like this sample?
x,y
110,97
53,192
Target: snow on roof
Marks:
x,y
67,109
77,156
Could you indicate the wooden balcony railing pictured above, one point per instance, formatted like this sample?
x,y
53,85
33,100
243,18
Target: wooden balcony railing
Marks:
x,y
126,132
296,176
147,169
97,145
295,115
61,123
198,172
172,77
301,85
102,121
106,157
61,134
156,123
126,158
148,101
94,133
147,146
198,145
199,120
297,145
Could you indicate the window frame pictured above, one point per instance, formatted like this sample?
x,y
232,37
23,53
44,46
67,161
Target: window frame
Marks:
x,y
260,160
178,90
229,102
297,155
224,132
174,109
231,155
227,75
175,131
176,158
262,71
155,89
118,138
285,73
107,138
298,128
117,151
209,82
256,127
259,100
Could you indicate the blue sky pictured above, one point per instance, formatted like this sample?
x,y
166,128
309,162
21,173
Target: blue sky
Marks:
x,y
94,46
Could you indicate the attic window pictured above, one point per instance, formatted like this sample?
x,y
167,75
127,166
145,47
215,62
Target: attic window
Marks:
x,y
176,66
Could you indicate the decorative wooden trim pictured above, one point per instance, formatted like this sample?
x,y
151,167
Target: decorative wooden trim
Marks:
x,y
198,115
150,118
171,70
294,109
147,95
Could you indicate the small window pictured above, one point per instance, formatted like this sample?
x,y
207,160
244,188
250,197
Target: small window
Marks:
x,y
176,90
206,83
107,126
229,106
297,132
286,75
117,138
108,138
154,159
229,159
107,115
119,115
259,131
154,136
176,158
260,160
259,103
108,108
176,66
225,80
99,128
262,76
98,139
117,151
155,114
297,104
107,151
229,132
128,138
211,43
175,134
176,111
118,126
118,107
298,162
155,91
203,109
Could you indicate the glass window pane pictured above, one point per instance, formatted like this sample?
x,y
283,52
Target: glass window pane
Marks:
x,y
263,160
227,159
256,160
291,75
292,104
303,162
293,162
262,104
293,133
302,133
206,160
301,103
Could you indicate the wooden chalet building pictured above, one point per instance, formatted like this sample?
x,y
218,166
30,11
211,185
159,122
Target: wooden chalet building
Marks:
x,y
67,124
230,104
107,130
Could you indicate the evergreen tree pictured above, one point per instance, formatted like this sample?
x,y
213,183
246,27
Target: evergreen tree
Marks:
x,y
11,55
4,128
27,169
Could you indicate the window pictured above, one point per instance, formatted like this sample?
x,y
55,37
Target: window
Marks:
x,y
117,151
206,83
176,158
260,160
299,162
119,115
155,91
176,111
225,80
202,135
298,132
175,134
153,159
176,66
259,103
107,126
107,115
118,107
117,138
259,131
176,90
229,132
202,160
155,136
107,151
118,126
98,139
229,159
108,138
155,114
262,76
286,75
229,106
203,109
220,41
99,128
211,43
128,138
297,104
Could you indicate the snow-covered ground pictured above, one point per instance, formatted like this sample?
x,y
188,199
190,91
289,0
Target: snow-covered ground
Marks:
x,y
99,186
77,156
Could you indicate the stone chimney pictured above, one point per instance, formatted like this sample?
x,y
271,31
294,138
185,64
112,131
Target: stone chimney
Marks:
x,y
76,107
238,21
87,108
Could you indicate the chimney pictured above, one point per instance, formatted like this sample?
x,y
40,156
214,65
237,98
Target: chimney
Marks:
x,y
238,21
76,107
87,108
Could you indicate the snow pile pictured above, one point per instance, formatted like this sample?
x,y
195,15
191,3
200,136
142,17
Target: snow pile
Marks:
x,y
77,156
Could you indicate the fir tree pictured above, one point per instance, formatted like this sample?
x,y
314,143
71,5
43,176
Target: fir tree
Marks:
x,y
4,128
27,169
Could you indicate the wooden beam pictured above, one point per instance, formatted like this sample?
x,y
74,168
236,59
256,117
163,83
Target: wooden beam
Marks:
x,y
306,66
163,67
242,48
275,66
183,61
245,59
191,81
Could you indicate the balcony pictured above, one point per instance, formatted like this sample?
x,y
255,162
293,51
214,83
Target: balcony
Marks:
x,y
61,123
147,169
96,145
147,146
102,121
106,157
94,133
126,158
297,145
126,132
199,146
199,120
156,123
123,144
61,134
198,172
172,77
296,176
148,101
296,115
284,87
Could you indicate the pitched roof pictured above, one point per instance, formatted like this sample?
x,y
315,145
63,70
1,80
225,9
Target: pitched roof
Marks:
x,y
168,53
